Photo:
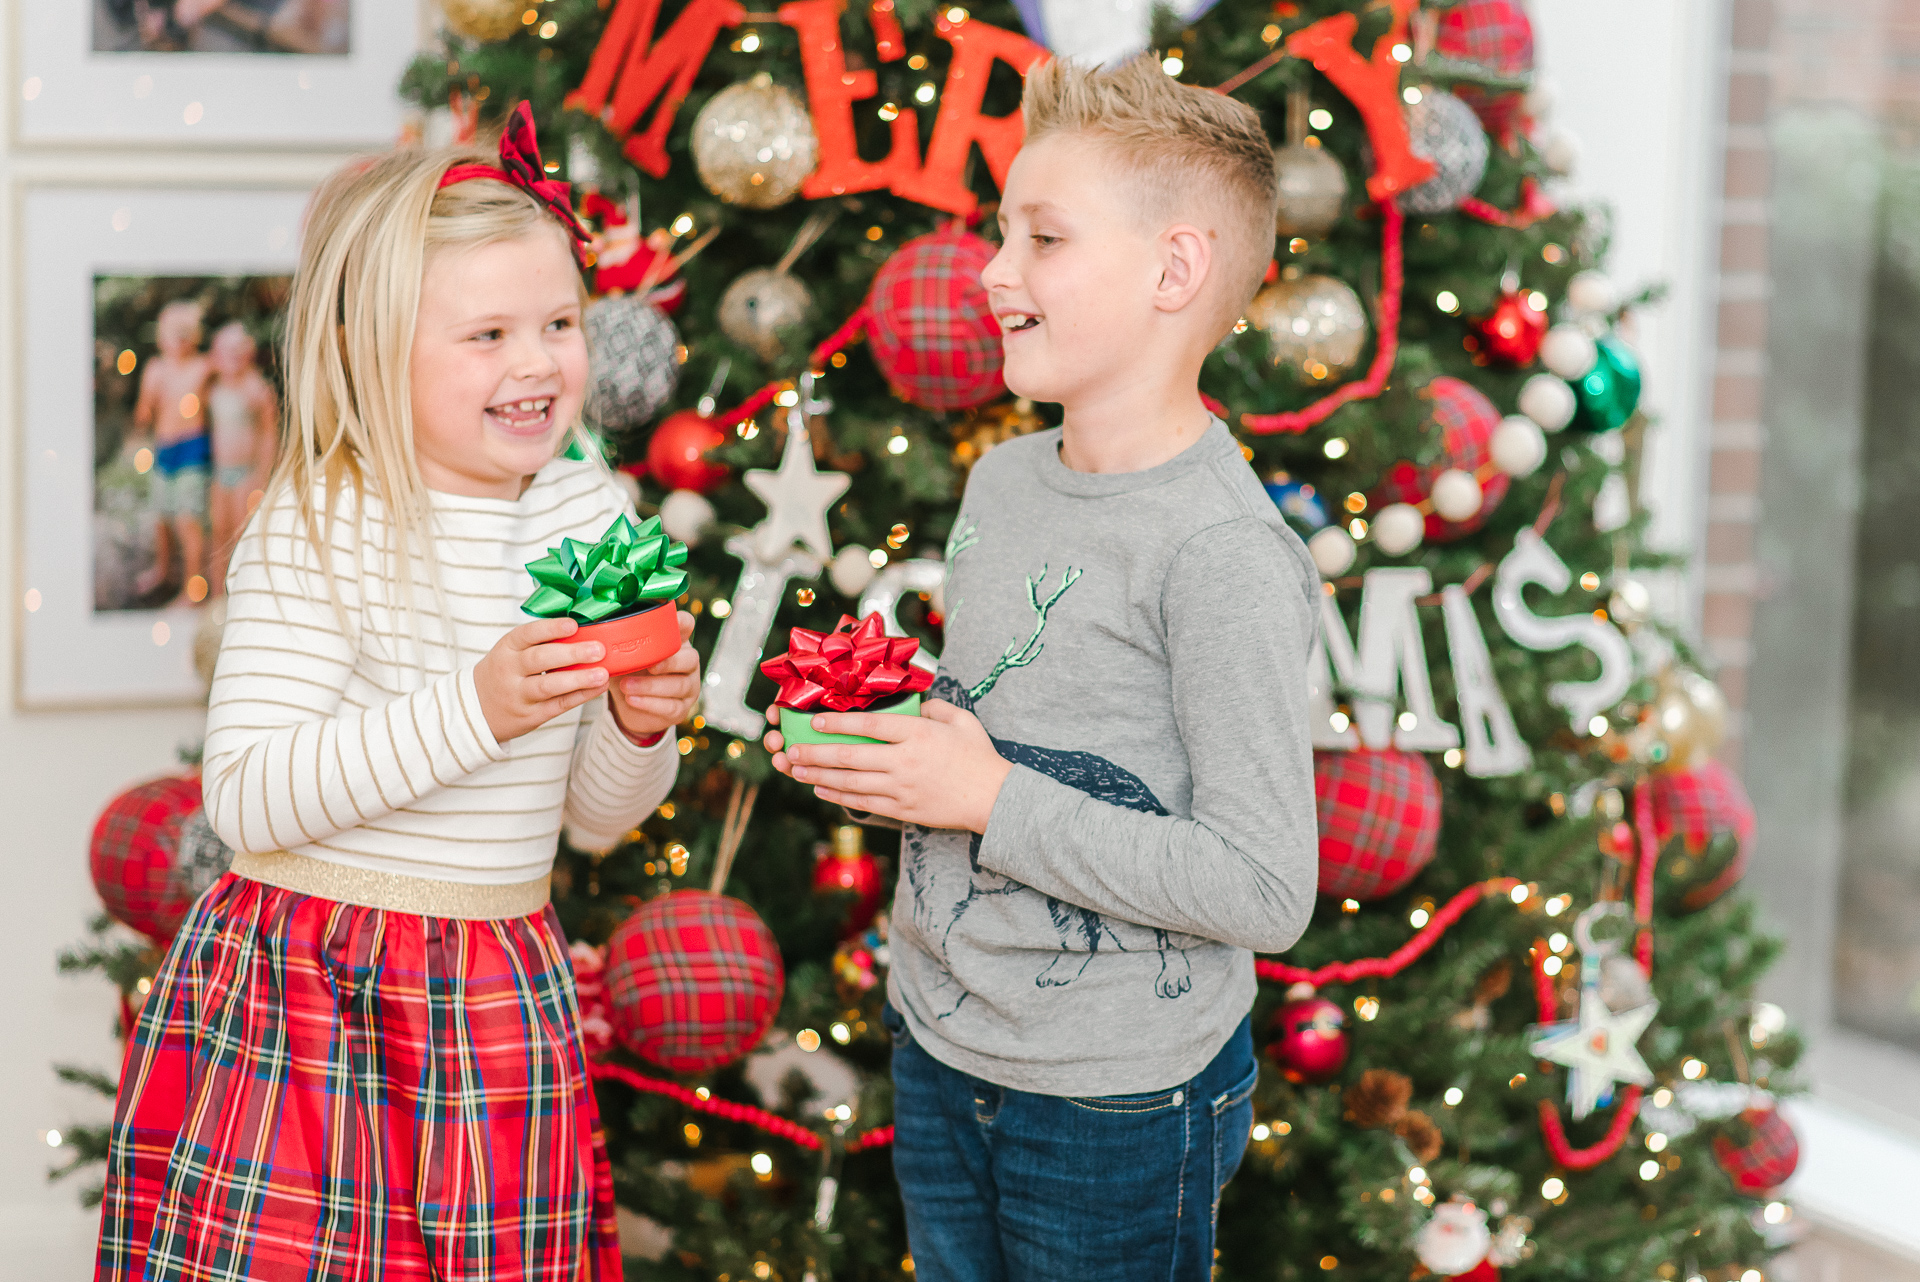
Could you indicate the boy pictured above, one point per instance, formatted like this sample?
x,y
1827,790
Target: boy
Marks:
x,y
1109,806
170,411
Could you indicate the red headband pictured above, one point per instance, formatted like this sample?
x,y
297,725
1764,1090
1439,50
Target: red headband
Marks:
x,y
520,165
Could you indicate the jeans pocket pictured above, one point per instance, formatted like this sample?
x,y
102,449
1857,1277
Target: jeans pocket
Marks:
x,y
1132,1105
896,1024
1232,1120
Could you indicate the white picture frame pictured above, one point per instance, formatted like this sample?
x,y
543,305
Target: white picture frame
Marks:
x,y
70,654
67,94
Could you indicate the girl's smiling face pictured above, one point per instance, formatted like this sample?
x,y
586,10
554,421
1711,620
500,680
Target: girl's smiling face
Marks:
x,y
499,363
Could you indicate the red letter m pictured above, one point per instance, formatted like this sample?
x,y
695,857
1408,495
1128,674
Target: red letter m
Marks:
x,y
635,76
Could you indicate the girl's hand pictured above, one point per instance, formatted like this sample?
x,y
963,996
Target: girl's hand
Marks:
x,y
655,701
519,690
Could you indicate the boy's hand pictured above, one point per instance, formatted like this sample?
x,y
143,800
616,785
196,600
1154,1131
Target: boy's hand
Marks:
x,y
655,701
519,691
937,770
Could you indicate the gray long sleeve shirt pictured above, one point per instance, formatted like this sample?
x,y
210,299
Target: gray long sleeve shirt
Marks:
x,y
1136,644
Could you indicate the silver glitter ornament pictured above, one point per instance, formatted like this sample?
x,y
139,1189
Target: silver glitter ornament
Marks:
x,y
483,20
1313,191
754,144
1314,324
760,304
634,371
201,857
1444,130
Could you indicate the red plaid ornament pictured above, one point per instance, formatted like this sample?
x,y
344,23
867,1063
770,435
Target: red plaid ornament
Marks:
x,y
1465,420
1698,806
694,979
133,861
933,334
1379,820
1768,1157
1495,35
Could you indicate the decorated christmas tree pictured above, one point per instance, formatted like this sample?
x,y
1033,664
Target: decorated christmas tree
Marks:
x,y
1518,1036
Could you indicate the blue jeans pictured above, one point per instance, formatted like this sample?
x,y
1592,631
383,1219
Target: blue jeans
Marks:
x,y
1003,1185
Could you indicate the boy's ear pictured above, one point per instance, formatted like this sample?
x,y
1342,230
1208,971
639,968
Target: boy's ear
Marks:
x,y
1186,261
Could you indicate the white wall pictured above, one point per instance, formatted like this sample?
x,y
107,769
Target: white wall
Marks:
x,y
58,769
1641,85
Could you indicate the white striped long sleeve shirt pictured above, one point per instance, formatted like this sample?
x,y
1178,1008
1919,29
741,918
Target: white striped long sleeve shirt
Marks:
x,y
367,747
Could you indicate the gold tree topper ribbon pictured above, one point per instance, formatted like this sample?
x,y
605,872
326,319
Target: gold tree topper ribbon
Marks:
x,y
630,569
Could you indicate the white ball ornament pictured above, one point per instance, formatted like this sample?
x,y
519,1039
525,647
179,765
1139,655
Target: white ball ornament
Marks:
x,y
1548,401
851,570
1332,551
1539,100
1454,1240
685,515
1456,495
1518,446
1399,528
1568,351
1592,293
1562,153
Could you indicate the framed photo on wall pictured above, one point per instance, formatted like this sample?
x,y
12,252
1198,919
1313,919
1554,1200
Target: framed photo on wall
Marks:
x,y
150,399
319,73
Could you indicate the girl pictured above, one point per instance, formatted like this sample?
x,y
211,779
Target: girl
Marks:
x,y
243,422
361,1056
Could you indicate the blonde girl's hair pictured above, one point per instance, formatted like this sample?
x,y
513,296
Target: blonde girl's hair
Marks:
x,y
348,423
1187,152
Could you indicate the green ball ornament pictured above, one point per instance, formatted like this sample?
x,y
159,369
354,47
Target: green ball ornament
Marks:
x,y
1605,396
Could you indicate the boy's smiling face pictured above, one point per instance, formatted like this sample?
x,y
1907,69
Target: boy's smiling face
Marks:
x,y
1073,284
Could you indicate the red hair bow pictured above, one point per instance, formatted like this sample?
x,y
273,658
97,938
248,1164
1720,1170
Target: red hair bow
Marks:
x,y
521,166
847,669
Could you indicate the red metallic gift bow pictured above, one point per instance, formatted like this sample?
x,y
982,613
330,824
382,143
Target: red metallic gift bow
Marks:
x,y
845,670
521,166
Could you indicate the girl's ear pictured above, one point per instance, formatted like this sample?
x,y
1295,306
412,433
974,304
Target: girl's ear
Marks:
x,y
1186,260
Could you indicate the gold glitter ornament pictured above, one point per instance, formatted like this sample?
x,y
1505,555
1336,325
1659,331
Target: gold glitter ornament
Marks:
x,y
754,144
1313,185
1314,324
760,304
483,20
985,426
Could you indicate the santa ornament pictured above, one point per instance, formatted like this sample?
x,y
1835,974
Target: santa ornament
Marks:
x,y
1379,820
1455,1241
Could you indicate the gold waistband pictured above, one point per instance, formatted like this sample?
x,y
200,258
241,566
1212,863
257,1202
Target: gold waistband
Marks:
x,y
392,892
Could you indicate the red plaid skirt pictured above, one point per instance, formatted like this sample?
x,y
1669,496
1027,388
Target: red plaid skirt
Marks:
x,y
324,1092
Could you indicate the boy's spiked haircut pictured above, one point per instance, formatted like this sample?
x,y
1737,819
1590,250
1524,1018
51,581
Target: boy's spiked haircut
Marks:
x,y
1190,151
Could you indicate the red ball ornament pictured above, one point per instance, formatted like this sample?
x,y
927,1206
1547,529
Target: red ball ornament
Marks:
x,y
1766,1158
694,980
1497,36
932,331
1510,334
1310,1039
1465,420
677,453
847,866
1700,806
134,858
1379,820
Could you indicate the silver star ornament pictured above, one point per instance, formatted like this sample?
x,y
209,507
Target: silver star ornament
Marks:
x,y
1598,1047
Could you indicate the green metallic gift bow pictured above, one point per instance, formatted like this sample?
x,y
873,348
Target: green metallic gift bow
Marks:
x,y
626,571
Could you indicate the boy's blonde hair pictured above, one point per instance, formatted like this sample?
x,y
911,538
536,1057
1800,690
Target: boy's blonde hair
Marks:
x,y
183,316
349,341
1187,150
